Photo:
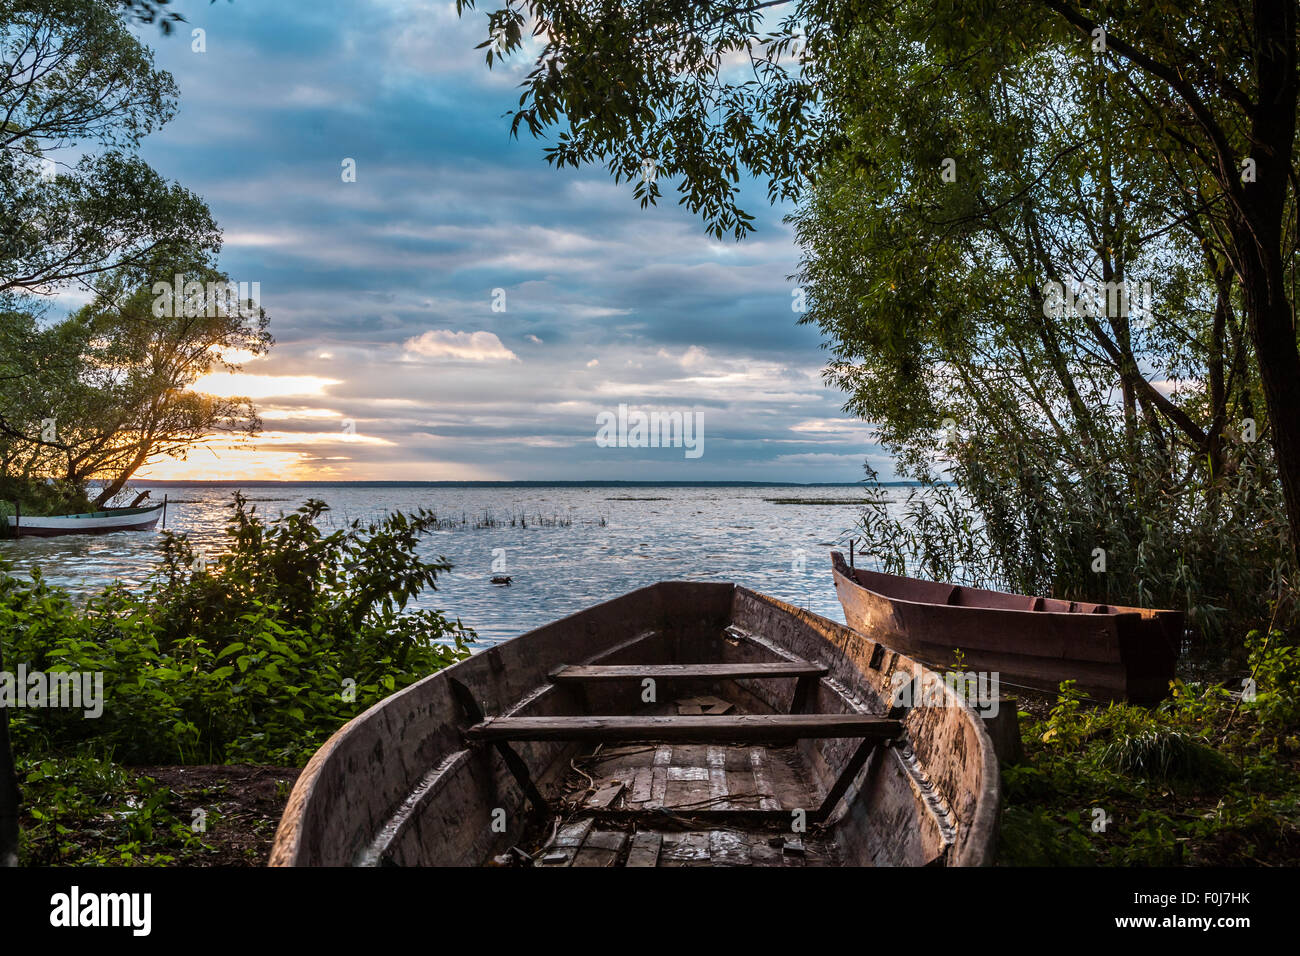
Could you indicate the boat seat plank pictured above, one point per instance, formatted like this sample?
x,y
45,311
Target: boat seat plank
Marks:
x,y
611,672
700,729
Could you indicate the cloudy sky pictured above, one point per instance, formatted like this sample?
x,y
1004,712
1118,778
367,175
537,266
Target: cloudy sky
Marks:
x,y
395,358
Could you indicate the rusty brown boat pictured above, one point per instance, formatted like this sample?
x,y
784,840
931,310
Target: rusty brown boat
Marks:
x,y
681,724
1111,652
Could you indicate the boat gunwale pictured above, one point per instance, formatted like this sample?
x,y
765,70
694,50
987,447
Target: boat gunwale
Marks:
x,y
843,569
979,842
975,847
85,516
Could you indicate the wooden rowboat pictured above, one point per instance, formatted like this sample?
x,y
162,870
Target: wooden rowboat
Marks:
x,y
92,522
599,750
1111,652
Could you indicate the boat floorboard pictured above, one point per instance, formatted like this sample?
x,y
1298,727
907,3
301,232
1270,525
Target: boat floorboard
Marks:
x,y
657,786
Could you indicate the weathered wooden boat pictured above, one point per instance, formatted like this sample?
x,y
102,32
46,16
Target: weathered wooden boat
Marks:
x,y
92,522
1111,652
799,753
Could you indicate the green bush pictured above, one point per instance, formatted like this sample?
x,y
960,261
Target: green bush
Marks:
x,y
256,655
1275,681
1208,777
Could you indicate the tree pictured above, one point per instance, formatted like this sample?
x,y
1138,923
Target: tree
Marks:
x,y
108,389
927,273
97,395
1233,115
153,11
74,75
643,89
710,92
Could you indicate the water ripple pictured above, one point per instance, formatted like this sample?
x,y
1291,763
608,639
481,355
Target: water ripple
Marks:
x,y
702,534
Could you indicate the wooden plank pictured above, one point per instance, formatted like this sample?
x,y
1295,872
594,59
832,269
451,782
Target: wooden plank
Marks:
x,y
573,835
706,817
601,848
717,760
784,769
687,787
728,848
609,672
703,729
760,854
696,774
763,780
514,763
605,796
846,777
645,849
690,755
565,846
686,849
659,775
742,792
639,791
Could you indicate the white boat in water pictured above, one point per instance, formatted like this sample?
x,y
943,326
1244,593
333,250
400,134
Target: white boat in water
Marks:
x,y
92,522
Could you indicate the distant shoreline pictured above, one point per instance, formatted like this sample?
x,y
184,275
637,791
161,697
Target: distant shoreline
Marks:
x,y
270,483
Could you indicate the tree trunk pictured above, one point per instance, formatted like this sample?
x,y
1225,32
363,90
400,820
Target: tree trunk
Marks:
x,y
1279,372
1257,235
1218,395
120,481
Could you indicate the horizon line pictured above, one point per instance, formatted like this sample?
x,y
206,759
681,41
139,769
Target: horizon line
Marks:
x,y
600,483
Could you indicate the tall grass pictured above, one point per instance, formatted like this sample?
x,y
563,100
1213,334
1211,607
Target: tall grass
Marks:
x,y
1219,550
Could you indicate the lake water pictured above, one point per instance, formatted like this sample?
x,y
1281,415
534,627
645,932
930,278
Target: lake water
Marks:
x,y
591,543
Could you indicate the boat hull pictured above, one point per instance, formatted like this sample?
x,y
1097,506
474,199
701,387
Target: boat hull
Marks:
x,y
125,519
1112,653
403,784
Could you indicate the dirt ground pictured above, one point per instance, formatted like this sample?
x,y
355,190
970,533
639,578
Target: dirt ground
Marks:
x,y
240,807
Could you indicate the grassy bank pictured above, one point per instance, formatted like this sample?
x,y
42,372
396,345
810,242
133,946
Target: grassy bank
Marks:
x,y
89,811
224,674
249,658
1209,777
